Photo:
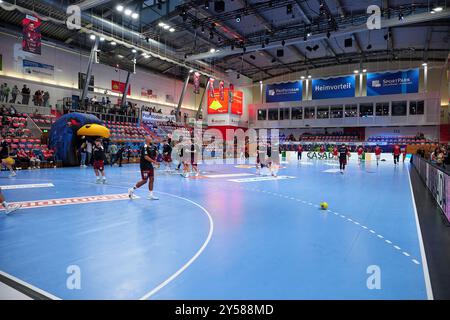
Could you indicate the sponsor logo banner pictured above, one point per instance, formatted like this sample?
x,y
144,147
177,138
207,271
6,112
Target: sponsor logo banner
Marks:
x,y
151,117
393,82
70,201
237,102
218,104
38,69
340,87
284,92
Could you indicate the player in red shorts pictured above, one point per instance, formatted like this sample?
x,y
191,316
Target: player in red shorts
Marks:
x,y
335,153
378,152
98,157
299,152
360,154
322,149
403,150
396,153
149,154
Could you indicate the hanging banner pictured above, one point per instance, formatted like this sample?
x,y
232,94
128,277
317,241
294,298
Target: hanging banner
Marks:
x,y
221,90
237,102
340,87
148,93
398,82
117,86
38,69
82,80
196,82
211,88
31,33
230,93
284,92
217,105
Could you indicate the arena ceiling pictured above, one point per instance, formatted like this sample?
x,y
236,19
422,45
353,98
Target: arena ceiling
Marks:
x,y
260,39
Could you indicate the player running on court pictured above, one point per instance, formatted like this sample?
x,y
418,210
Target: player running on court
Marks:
x,y
343,152
378,152
396,153
148,159
99,158
6,160
9,207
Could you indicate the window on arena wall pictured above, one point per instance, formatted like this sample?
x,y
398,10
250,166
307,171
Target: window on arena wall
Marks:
x,y
366,110
284,114
416,107
310,113
351,110
336,112
323,112
398,108
273,114
297,113
382,109
262,114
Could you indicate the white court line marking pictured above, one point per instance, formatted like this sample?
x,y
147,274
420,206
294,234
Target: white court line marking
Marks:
x,y
388,241
26,186
230,175
30,286
349,219
397,247
426,273
406,253
199,252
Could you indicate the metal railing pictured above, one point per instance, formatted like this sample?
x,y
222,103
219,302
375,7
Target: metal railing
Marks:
x,y
109,116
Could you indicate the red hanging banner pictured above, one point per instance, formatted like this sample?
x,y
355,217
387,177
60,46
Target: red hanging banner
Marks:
x,y
196,82
31,33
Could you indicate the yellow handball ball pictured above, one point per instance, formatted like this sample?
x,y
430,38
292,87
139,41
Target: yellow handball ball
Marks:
x,y
324,205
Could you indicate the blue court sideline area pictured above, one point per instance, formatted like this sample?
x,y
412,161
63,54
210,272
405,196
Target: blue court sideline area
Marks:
x,y
212,238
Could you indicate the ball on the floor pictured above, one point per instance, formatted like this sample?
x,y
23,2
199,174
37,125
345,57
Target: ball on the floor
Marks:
x,y
323,205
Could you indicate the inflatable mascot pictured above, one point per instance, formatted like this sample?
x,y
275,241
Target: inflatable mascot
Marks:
x,y
66,133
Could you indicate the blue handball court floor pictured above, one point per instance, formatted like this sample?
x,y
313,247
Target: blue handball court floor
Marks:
x,y
227,234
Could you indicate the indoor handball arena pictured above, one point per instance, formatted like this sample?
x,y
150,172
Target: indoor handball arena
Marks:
x,y
224,150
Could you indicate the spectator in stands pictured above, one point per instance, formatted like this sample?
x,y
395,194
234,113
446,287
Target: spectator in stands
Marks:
x,y
1,93
5,92
46,98
35,162
25,94
23,158
14,93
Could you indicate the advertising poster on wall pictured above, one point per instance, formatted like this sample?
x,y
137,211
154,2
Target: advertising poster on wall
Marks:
x,y
284,92
117,86
216,105
237,102
31,33
38,69
340,87
398,82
